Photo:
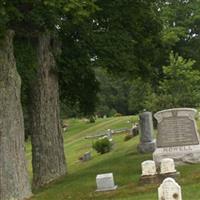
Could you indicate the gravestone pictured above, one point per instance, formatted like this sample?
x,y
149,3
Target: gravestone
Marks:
x,y
177,136
134,130
109,133
167,166
148,168
146,133
149,173
87,156
169,190
105,182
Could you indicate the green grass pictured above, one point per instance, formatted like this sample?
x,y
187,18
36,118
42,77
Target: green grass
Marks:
x,y
123,161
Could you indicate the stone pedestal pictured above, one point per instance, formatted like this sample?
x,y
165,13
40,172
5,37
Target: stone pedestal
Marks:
x,y
146,132
146,147
180,154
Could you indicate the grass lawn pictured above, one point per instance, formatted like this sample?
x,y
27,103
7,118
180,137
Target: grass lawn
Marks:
x,y
123,161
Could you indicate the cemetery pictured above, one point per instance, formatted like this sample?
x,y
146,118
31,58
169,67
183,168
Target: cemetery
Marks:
x,y
118,174
99,100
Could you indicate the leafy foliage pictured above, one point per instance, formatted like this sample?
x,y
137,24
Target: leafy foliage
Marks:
x,y
103,145
181,20
180,86
126,37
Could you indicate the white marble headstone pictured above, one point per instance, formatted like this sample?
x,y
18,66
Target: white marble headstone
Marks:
x,y
148,168
167,166
105,182
169,190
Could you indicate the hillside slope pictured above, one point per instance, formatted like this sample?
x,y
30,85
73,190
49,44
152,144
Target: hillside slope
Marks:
x,y
123,161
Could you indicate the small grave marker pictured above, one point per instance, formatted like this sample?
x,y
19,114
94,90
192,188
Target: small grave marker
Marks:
x,y
105,182
148,168
167,166
169,190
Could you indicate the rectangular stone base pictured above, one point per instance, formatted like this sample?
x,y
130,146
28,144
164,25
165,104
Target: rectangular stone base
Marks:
x,y
157,178
180,154
147,147
107,189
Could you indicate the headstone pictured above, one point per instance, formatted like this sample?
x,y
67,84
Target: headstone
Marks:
x,y
148,168
134,130
146,132
169,190
87,156
105,182
109,133
167,166
177,136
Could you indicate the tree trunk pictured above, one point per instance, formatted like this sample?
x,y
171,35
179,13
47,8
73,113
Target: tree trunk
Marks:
x,y
14,182
47,140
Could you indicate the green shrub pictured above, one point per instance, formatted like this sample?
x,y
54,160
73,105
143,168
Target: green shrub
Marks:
x,y
103,145
118,115
92,119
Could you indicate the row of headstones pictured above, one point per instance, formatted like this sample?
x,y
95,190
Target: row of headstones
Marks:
x,y
149,167
168,190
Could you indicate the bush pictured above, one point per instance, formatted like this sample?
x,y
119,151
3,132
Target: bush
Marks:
x,y
103,145
92,119
118,115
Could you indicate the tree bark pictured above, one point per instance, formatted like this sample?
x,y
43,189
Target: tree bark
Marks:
x,y
14,182
47,139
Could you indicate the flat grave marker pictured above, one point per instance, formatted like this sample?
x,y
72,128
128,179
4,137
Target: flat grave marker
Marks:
x,y
105,182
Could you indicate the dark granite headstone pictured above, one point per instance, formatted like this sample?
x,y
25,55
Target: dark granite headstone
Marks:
x,y
146,133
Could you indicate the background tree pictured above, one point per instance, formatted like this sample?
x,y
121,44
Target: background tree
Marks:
x,y
181,27
122,37
180,86
40,23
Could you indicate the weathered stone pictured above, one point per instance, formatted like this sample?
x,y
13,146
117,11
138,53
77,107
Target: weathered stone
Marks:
x,y
148,168
146,147
87,156
177,136
146,131
105,182
176,127
169,190
134,130
167,166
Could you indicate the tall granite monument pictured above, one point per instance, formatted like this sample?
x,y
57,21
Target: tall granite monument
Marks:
x,y
146,133
177,136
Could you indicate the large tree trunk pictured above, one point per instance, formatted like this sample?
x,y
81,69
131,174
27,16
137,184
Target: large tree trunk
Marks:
x,y
14,182
47,140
